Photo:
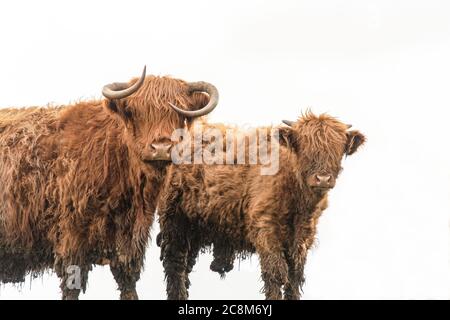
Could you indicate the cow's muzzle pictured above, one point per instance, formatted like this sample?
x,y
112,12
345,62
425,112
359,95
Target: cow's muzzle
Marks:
x,y
321,181
158,152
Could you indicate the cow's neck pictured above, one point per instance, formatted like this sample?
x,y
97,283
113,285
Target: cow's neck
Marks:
x,y
98,140
152,172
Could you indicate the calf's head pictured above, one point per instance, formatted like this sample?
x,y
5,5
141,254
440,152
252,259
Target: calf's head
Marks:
x,y
152,107
320,143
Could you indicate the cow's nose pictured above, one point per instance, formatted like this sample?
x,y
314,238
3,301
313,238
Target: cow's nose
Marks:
x,y
160,146
323,180
160,151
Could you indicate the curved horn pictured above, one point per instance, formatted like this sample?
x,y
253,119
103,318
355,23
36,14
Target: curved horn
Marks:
x,y
289,123
200,87
120,90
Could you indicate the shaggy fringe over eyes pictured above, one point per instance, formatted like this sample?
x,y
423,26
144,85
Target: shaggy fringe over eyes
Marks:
x,y
150,104
321,138
155,93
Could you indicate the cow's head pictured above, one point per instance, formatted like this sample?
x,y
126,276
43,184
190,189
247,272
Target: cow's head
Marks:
x,y
320,143
152,107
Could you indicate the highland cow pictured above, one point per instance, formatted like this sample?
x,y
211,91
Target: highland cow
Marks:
x,y
79,183
240,212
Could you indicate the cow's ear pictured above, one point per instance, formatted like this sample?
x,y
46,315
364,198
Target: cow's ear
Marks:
x,y
287,137
111,105
354,140
118,108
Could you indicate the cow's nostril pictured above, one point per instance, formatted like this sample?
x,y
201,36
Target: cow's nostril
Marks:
x,y
323,179
160,147
158,151
154,147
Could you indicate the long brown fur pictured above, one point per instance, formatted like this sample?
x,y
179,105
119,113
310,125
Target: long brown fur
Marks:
x,y
74,188
235,207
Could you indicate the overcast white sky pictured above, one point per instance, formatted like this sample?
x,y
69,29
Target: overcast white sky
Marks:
x,y
381,65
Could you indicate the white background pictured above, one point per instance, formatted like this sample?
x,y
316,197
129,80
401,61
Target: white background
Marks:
x,y
381,65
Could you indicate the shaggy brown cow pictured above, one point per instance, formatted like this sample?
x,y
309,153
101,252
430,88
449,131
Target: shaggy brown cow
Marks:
x,y
79,183
241,211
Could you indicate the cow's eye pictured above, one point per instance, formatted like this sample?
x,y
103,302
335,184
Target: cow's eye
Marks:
x,y
128,113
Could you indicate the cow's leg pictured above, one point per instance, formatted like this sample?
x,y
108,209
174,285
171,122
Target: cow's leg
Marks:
x,y
175,265
304,233
274,268
194,249
73,278
174,253
292,290
174,241
274,273
192,255
126,276
195,246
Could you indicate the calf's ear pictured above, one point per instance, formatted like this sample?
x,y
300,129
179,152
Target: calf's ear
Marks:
x,y
354,140
287,138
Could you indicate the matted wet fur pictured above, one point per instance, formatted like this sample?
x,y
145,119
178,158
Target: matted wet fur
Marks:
x,y
235,207
74,188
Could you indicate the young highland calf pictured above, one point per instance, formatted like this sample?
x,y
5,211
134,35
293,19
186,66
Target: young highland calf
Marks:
x,y
240,211
79,183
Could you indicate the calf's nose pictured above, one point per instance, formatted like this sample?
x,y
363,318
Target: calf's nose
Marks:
x,y
323,180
